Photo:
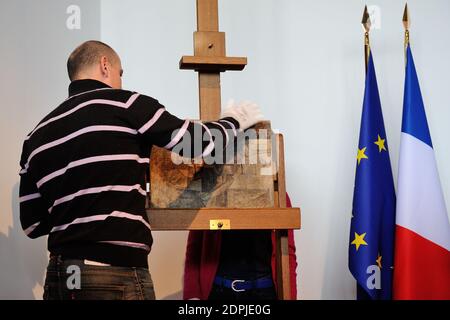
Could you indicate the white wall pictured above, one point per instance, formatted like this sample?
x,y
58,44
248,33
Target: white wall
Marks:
x,y
306,70
34,47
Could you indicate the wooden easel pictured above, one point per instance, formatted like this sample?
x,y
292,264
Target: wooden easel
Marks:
x,y
209,60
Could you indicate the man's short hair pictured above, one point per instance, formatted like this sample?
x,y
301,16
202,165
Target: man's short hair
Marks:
x,y
86,55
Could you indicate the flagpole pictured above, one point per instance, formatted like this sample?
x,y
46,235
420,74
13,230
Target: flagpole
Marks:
x,y
374,193
366,26
406,24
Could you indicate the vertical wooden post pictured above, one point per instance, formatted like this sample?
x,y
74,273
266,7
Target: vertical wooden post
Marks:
x,y
208,82
209,93
281,236
207,15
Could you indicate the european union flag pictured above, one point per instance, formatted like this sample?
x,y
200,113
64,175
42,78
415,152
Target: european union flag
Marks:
x,y
371,247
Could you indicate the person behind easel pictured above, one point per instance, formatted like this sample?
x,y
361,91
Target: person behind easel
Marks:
x,y
235,265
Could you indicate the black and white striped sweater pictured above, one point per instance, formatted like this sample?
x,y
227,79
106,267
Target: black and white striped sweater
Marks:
x,y
83,171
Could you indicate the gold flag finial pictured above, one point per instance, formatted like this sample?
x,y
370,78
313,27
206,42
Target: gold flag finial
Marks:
x,y
406,22
366,20
406,25
366,23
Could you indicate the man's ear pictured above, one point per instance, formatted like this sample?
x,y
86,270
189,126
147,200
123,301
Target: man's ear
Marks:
x,y
104,66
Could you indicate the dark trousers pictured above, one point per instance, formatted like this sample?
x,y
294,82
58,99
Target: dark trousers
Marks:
x,y
75,280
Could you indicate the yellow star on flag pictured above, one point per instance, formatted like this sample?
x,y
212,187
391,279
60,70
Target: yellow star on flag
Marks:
x,y
380,143
361,154
379,260
359,240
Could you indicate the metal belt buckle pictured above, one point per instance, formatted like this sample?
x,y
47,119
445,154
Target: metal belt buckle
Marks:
x,y
234,282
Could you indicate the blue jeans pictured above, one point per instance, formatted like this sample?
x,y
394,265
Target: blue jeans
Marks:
x,y
76,280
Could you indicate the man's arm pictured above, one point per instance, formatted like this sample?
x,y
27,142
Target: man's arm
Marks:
x,y
192,138
34,216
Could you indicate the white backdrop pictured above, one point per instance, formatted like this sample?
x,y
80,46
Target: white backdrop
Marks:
x,y
35,43
306,70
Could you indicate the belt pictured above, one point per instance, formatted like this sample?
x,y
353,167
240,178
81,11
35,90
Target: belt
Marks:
x,y
85,261
243,285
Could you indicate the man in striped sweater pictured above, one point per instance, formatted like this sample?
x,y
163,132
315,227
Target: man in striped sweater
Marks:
x,y
83,171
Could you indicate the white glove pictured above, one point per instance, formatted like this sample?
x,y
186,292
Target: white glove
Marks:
x,y
246,113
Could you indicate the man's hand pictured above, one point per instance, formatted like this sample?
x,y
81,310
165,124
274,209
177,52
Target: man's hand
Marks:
x,y
246,113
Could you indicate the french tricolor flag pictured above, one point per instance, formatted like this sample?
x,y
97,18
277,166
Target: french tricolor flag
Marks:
x,y
422,256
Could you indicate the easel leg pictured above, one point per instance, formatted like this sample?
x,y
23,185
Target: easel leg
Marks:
x,y
281,236
282,259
